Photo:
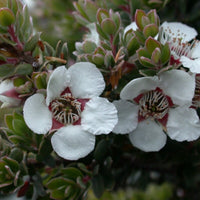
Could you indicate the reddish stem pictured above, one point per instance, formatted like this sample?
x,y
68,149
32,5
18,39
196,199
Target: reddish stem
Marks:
x,y
11,31
113,46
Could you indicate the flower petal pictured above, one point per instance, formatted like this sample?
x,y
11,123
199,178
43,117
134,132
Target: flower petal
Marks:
x,y
148,136
139,86
57,83
37,115
72,142
179,30
132,26
127,117
86,80
193,65
175,83
183,124
99,116
6,85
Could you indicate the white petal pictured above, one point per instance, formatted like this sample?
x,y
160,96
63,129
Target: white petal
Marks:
x,y
58,82
193,65
148,136
183,124
86,80
139,86
132,26
127,117
37,115
175,83
99,116
72,142
179,30
195,50
6,85
9,101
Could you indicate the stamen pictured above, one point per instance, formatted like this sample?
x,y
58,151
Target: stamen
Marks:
x,y
66,109
153,103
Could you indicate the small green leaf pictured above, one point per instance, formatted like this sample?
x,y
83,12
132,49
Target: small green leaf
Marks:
x,y
100,32
58,182
24,69
101,150
150,30
32,42
71,173
6,17
108,26
89,46
98,185
13,164
151,44
165,53
16,154
102,14
155,57
6,70
138,18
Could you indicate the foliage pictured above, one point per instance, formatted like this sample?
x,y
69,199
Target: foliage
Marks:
x,y
66,32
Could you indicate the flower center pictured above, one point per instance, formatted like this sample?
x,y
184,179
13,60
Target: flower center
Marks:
x,y
66,109
153,103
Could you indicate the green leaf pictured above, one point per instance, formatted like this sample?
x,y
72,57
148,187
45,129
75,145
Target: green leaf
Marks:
x,y
13,164
91,10
6,17
16,154
150,30
20,128
8,120
165,53
101,150
89,46
97,185
155,57
32,42
138,18
6,70
72,173
109,60
132,46
151,44
108,26
24,69
102,14
153,17
100,32
58,182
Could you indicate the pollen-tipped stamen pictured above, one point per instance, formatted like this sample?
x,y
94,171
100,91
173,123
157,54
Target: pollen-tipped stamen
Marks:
x,y
66,109
153,103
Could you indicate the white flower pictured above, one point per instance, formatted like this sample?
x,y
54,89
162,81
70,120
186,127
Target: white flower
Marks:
x,y
150,104
183,51
8,94
133,26
74,108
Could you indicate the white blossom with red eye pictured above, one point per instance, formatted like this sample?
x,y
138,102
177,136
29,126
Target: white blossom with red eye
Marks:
x,y
8,95
73,108
150,104
183,45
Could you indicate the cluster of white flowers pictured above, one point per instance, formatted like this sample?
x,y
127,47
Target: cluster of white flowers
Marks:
x,y
150,108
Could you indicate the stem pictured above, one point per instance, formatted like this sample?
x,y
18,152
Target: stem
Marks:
x,y
11,31
113,46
